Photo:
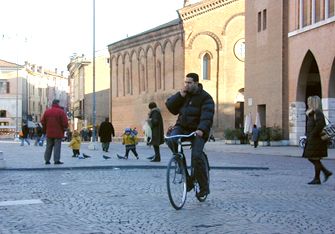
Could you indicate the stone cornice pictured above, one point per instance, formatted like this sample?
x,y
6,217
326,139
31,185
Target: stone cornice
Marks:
x,y
143,39
200,8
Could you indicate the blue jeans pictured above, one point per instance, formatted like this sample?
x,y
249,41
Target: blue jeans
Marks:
x,y
197,156
24,140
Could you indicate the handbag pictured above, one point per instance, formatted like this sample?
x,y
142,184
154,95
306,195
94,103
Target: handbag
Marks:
x,y
328,131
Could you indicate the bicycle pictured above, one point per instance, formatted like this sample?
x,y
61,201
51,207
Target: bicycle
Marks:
x,y
177,174
303,140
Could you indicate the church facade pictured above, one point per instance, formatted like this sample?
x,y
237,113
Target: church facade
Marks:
x,y
206,38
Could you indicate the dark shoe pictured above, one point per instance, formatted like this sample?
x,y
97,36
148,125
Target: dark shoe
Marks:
x,y
156,159
47,163
58,162
137,157
202,193
315,181
152,157
327,175
73,156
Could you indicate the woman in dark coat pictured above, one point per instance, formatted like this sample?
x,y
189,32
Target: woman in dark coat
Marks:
x,y
316,148
155,121
106,131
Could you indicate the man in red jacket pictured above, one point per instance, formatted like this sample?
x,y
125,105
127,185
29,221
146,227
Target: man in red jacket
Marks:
x,y
54,123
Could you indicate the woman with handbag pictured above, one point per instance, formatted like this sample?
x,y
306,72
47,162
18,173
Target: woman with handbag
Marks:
x,y
315,148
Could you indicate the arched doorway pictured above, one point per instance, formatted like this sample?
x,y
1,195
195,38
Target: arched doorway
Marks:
x,y
309,84
309,79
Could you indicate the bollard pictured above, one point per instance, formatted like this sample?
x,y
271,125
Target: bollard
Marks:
x,y
2,160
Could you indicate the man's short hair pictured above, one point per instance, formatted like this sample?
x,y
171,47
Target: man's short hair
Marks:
x,y
55,101
194,76
152,105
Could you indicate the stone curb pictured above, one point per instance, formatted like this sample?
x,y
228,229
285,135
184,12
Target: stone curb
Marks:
x,y
125,167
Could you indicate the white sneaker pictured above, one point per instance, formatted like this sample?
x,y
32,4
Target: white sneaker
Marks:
x,y
81,157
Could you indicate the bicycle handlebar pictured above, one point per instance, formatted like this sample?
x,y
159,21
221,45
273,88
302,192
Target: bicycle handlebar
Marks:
x,y
181,136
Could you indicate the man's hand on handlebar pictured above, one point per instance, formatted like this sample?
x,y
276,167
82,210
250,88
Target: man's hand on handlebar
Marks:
x,y
199,133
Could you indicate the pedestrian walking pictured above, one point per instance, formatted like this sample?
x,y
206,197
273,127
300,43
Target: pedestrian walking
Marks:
x,y
129,140
54,121
75,143
24,134
38,132
155,122
106,132
315,148
255,135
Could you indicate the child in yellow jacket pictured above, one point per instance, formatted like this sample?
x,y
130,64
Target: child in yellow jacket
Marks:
x,y
75,144
129,139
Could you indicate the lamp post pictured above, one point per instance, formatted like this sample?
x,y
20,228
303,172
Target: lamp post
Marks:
x,y
93,146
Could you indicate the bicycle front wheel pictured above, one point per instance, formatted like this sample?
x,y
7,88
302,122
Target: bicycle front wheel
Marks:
x,y
176,182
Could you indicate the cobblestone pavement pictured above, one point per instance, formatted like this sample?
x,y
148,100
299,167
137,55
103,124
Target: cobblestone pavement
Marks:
x,y
94,201
123,198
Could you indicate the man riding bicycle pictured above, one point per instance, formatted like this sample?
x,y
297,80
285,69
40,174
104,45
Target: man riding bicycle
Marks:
x,y
195,110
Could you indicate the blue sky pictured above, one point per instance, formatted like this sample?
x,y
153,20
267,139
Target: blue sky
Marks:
x,y
48,32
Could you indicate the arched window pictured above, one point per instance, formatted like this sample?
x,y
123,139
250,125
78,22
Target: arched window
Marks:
x,y
206,66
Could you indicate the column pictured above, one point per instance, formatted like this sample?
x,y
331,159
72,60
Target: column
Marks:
x,y
313,11
301,14
297,121
326,9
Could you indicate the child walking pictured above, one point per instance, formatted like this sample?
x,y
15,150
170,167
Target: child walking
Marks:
x,y
75,144
129,139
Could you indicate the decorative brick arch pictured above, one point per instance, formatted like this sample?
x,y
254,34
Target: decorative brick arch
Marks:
x,y
125,56
167,42
175,42
210,34
158,44
228,22
132,54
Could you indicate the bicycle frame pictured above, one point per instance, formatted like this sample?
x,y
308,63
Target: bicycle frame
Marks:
x,y
180,159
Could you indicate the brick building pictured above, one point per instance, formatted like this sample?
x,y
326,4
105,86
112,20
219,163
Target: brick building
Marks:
x,y
207,38
289,56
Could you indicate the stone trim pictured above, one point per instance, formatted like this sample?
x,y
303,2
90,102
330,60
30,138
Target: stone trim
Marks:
x,y
192,11
212,35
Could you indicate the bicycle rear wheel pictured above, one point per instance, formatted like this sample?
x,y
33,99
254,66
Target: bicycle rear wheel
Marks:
x,y
176,182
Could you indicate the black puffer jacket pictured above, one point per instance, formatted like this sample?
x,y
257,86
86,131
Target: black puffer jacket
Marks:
x,y
315,147
196,111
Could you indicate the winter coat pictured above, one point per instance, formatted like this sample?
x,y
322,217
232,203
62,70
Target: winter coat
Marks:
x,y
128,139
106,131
25,131
255,134
196,111
315,147
156,124
54,121
75,143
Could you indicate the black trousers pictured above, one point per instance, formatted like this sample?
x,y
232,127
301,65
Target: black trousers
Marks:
x,y
197,155
131,148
